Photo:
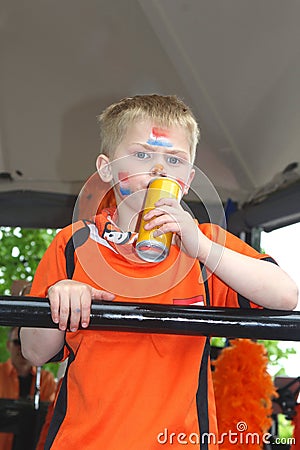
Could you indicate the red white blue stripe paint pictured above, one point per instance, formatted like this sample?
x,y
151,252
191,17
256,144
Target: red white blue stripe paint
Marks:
x,y
159,137
124,183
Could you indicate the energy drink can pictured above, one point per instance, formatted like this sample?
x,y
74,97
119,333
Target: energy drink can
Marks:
x,y
148,247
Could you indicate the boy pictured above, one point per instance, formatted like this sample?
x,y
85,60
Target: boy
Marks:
x,y
135,390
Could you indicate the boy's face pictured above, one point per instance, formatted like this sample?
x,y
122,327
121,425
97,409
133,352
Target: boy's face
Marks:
x,y
146,152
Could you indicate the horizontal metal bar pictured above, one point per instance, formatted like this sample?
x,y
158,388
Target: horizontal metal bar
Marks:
x,y
165,319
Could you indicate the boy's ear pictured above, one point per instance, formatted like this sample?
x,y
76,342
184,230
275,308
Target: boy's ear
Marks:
x,y
189,181
104,168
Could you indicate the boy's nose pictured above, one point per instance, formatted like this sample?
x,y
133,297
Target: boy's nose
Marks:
x,y
158,169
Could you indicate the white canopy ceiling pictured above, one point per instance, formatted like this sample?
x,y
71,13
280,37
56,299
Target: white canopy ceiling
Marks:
x,y
235,62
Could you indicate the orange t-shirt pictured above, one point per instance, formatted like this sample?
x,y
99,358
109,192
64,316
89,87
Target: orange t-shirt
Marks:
x,y
133,391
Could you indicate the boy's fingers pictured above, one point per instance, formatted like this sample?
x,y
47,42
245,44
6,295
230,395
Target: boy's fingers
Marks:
x,y
75,312
54,304
167,202
85,308
160,210
102,295
74,304
165,228
64,310
159,220
86,303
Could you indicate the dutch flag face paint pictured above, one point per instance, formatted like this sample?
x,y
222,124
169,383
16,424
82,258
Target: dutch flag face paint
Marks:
x,y
159,137
124,183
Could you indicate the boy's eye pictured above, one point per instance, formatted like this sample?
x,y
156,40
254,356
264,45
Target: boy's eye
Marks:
x,y
142,155
173,160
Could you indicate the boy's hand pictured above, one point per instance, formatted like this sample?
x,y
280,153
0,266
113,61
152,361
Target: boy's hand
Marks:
x,y
72,300
169,216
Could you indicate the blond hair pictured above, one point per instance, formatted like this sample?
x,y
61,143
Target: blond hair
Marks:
x,y
163,110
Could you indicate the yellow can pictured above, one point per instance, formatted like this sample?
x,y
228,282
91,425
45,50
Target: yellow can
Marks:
x,y
148,247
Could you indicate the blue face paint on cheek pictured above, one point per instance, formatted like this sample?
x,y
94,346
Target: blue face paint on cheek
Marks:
x,y
124,183
159,137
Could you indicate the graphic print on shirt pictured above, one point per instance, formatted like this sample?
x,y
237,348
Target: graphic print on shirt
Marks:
x,y
115,235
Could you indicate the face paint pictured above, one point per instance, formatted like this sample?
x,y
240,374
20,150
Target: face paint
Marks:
x,y
159,137
158,168
124,183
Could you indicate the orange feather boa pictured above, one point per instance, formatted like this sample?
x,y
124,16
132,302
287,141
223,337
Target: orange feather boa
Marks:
x,y
243,391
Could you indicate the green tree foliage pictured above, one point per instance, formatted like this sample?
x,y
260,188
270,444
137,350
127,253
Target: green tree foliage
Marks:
x,y
3,338
277,356
20,252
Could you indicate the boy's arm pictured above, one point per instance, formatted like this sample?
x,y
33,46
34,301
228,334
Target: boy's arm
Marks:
x,y
260,281
39,345
70,303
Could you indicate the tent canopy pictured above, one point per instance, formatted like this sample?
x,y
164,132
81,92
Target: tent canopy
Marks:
x,y
236,63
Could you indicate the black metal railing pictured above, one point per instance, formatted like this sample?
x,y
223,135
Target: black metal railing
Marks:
x,y
165,319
